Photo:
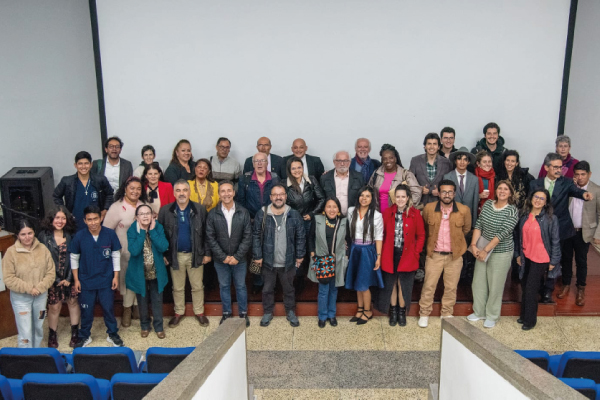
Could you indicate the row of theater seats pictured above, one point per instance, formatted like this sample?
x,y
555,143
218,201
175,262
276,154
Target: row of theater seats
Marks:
x,y
101,367
578,369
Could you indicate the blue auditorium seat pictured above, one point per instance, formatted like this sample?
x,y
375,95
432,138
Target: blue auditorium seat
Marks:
x,y
538,357
586,387
134,386
10,390
65,386
577,364
163,360
104,362
15,362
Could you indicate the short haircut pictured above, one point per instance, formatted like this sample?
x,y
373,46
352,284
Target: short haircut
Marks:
x,y
432,136
118,139
447,182
447,129
222,139
181,182
563,139
551,157
92,209
278,185
491,125
255,154
338,152
81,155
362,138
226,182
148,147
582,166
24,223
137,210
483,153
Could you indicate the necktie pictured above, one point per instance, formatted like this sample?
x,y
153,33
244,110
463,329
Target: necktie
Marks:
x,y
461,185
551,188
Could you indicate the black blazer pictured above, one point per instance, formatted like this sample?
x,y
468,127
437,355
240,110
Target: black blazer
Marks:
x,y
313,164
277,165
125,169
355,183
563,189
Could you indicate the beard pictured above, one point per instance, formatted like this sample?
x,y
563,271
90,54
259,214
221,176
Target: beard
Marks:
x,y
343,170
278,206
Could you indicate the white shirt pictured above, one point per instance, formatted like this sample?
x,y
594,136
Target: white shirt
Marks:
x,y
304,165
547,182
112,174
228,216
377,219
576,210
458,175
269,163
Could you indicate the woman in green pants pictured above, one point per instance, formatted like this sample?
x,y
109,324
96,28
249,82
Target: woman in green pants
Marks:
x,y
495,227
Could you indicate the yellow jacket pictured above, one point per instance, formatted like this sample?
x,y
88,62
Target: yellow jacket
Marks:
x,y
212,194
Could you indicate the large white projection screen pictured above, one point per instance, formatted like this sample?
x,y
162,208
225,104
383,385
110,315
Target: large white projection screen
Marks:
x,y
331,71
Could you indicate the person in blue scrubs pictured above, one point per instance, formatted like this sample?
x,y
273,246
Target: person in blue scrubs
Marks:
x,y
96,262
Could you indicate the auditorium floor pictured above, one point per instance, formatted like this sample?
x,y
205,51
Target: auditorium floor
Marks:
x,y
372,361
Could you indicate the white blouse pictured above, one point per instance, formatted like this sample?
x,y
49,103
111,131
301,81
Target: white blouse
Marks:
x,y
378,220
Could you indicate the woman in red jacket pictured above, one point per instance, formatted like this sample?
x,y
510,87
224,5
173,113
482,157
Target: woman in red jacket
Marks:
x,y
159,193
403,240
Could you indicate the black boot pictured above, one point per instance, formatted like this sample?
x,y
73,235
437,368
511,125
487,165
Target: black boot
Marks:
x,y
402,316
74,335
393,315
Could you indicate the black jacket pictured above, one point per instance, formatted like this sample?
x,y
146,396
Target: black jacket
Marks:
x,y
217,235
277,165
312,199
176,172
125,169
355,183
169,220
314,166
47,239
67,188
550,237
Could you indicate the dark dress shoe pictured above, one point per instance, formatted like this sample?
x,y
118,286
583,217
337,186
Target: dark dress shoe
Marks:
x,y
224,317
322,323
202,319
175,321
333,321
520,321
245,316
256,289
527,327
547,297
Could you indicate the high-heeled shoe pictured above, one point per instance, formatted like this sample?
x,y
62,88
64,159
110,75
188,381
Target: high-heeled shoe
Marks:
x,y
359,310
362,321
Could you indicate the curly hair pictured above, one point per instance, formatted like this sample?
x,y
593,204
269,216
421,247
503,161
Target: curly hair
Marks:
x,y
120,194
209,176
47,222
389,147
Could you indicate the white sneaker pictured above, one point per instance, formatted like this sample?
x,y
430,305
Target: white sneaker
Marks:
x,y
423,322
87,342
474,317
489,323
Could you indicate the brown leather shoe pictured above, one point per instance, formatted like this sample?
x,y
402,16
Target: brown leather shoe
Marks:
x,y
161,335
564,292
126,318
145,334
174,321
135,312
202,319
580,300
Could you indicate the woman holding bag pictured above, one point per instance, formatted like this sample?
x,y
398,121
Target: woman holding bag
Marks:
x,y
327,246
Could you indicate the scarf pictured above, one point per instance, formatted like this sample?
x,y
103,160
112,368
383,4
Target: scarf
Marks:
x,y
152,194
366,167
491,177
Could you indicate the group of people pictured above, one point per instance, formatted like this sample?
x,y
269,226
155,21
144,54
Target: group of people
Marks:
x,y
367,225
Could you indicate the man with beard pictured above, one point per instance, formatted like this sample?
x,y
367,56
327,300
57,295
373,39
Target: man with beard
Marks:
x,y
362,162
342,182
446,224
112,166
492,142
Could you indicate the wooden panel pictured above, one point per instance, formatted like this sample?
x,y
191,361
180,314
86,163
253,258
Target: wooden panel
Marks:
x,y
8,326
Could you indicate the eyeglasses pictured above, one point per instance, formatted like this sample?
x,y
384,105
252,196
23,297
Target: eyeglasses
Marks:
x,y
114,147
539,198
276,196
260,161
447,193
555,167
224,147
342,161
146,214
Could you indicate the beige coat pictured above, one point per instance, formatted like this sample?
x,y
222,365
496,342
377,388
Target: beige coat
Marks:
x,y
25,269
402,176
591,215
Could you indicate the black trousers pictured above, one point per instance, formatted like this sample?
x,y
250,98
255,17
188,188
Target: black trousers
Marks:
x,y
531,283
549,284
575,245
286,278
156,302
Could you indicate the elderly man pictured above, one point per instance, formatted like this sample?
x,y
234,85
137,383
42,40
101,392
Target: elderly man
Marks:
x,y
225,168
113,167
312,165
362,162
254,189
342,182
274,162
563,149
430,168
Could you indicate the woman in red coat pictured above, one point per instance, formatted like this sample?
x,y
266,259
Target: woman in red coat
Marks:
x,y
403,240
159,193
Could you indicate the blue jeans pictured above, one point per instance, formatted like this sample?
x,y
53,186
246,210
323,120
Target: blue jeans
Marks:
x,y
30,312
327,299
87,301
225,272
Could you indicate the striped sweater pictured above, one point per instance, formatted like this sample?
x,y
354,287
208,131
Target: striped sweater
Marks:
x,y
499,223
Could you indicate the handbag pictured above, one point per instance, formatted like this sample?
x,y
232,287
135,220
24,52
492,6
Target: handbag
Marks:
x,y
324,266
254,267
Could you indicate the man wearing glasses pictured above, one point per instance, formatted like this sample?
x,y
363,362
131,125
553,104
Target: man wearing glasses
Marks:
x,y
274,162
448,135
342,182
225,168
560,189
112,166
254,189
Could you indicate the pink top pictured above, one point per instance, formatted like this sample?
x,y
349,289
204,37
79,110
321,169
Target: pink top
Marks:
x,y
384,189
533,246
443,242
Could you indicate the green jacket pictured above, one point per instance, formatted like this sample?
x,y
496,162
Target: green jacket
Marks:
x,y
135,278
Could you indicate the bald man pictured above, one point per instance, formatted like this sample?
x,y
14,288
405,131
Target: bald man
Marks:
x,y
275,162
312,165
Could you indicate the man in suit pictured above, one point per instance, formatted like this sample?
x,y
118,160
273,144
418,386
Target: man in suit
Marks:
x,y
430,168
585,217
560,189
312,165
467,184
113,167
275,162
342,182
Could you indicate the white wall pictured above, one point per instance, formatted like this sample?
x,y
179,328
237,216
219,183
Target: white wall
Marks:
x,y
583,105
48,97
331,71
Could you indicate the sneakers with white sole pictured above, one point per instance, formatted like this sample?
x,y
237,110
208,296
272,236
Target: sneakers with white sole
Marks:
x,y
489,323
423,322
474,317
83,342
115,340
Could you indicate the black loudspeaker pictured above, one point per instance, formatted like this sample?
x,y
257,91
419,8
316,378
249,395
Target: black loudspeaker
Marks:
x,y
26,191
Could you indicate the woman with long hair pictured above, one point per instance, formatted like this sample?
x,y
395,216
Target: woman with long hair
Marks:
x,y
159,193
304,193
538,249
203,188
182,164
327,238
148,156
58,228
403,241
119,218
28,271
484,171
364,237
493,252
510,169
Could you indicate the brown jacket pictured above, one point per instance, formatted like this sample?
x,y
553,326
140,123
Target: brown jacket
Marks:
x,y
460,225
25,269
